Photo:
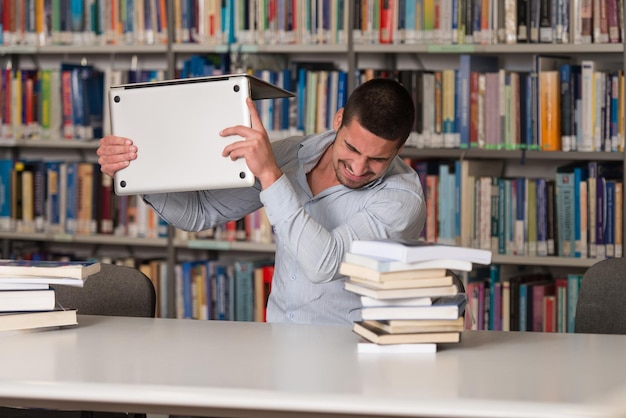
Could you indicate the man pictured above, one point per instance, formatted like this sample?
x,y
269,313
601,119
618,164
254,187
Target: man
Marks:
x,y
320,193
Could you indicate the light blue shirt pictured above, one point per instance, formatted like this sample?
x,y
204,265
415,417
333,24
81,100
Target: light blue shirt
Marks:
x,y
312,232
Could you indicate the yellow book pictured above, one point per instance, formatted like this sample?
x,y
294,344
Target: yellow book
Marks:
x,y
549,111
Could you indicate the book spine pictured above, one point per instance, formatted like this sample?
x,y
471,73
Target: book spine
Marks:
x,y
244,290
573,288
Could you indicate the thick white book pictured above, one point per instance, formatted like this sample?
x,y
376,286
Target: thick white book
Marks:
x,y
441,308
412,251
46,268
355,270
27,300
404,284
21,285
366,347
384,265
379,336
417,292
368,301
17,321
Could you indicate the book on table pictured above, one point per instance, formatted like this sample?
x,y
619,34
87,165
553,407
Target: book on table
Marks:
x,y
405,284
405,326
412,251
367,347
27,300
368,301
19,284
71,273
20,320
450,307
354,270
364,289
384,265
379,336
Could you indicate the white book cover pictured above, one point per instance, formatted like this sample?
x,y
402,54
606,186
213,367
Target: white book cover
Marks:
x,y
384,265
411,251
365,347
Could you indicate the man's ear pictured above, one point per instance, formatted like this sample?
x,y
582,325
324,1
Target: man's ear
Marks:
x,y
338,119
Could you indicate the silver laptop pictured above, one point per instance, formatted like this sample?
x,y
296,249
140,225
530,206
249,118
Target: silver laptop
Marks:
x,y
175,125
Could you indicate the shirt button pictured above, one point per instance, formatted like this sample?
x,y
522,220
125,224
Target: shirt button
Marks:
x,y
290,315
293,277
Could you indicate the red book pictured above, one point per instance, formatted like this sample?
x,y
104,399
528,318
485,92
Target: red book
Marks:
x,y
66,104
268,274
106,205
473,109
385,33
540,291
549,313
7,102
29,103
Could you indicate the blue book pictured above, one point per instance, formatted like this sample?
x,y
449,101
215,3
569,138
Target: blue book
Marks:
x,y
569,75
301,98
285,106
455,22
609,235
601,216
443,219
526,106
519,233
495,298
614,111
567,108
71,198
565,213
222,292
409,20
228,21
244,290
187,268
342,90
573,288
523,306
6,168
502,204
580,236
542,217
76,12
509,216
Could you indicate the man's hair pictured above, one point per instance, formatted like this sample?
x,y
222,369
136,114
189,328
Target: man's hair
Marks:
x,y
384,107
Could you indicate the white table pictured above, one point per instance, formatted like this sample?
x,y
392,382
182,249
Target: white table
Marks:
x,y
271,370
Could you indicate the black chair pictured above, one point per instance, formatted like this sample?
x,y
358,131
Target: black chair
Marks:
x,y
600,308
114,291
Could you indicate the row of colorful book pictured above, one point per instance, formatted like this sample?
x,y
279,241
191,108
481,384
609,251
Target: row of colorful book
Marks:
x,y
27,294
67,198
575,213
518,301
410,299
215,22
555,105
212,289
584,102
451,22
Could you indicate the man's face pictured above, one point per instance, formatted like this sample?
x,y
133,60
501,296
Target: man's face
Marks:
x,y
360,157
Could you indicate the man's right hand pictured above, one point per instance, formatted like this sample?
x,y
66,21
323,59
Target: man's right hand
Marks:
x,y
115,153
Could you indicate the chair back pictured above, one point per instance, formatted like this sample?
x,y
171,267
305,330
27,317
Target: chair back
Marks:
x,y
600,308
113,291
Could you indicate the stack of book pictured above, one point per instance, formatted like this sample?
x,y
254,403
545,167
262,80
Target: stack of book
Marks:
x,y
410,301
27,296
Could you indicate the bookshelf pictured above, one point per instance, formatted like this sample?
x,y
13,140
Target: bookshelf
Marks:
x,y
350,55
